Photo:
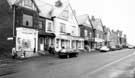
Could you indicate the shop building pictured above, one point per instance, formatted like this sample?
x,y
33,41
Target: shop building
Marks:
x,y
66,27
46,33
21,27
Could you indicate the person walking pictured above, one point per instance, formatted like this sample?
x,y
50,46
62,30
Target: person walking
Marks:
x,y
52,49
14,53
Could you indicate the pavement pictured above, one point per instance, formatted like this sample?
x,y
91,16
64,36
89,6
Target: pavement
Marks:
x,y
86,65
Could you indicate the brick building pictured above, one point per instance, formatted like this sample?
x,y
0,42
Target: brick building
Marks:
x,y
86,31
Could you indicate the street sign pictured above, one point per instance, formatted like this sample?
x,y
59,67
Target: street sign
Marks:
x,y
10,38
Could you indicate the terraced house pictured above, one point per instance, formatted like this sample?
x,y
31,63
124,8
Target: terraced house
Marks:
x,y
86,31
21,29
99,32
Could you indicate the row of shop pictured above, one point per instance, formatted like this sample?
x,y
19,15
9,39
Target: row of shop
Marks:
x,y
31,41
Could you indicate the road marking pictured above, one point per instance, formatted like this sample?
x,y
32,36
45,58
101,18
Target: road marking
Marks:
x,y
107,65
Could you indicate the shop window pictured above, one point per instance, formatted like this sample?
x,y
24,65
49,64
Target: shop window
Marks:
x,y
62,43
73,44
79,44
27,20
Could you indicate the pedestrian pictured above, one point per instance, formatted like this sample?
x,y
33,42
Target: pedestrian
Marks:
x,y
34,51
14,53
51,49
23,53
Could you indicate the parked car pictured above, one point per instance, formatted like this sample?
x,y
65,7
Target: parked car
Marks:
x,y
68,53
113,48
130,47
104,49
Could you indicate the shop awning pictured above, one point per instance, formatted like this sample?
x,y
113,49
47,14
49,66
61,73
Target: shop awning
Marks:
x,y
46,35
99,40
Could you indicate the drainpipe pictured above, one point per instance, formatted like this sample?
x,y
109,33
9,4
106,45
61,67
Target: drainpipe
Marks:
x,y
13,25
13,21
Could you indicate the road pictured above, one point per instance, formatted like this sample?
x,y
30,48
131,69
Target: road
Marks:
x,y
116,64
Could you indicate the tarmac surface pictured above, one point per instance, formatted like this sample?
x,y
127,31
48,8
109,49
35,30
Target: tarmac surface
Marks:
x,y
114,64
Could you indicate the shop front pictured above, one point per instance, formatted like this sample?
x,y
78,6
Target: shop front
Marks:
x,y
62,41
26,42
99,43
45,41
69,42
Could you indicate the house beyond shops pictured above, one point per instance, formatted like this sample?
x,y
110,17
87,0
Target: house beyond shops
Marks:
x,y
98,30
86,31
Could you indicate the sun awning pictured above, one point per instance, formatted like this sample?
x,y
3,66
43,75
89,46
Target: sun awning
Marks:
x,y
99,40
46,35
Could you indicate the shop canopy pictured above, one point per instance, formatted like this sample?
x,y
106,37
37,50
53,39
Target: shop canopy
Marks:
x,y
99,40
47,35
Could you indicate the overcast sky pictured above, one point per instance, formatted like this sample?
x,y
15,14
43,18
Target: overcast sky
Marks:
x,y
115,14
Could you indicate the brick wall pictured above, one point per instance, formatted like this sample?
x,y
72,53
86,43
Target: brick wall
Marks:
x,y
5,27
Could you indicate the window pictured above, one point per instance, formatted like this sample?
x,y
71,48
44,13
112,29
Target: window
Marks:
x,y
28,3
86,33
65,14
27,23
62,27
27,20
40,24
49,26
73,30
90,35
98,36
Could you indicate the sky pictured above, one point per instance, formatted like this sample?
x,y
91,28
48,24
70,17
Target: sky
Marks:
x,y
115,14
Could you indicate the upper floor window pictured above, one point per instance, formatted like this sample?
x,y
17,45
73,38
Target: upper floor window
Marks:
x,y
85,33
90,35
40,24
28,3
65,14
73,30
97,35
49,26
27,20
62,27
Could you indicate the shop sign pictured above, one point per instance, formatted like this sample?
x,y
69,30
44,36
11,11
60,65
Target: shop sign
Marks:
x,y
10,38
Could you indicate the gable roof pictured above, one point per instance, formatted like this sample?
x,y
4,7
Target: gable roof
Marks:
x,y
58,10
16,2
84,20
97,24
46,10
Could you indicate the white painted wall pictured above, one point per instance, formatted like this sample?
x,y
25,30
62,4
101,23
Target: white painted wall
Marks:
x,y
68,27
